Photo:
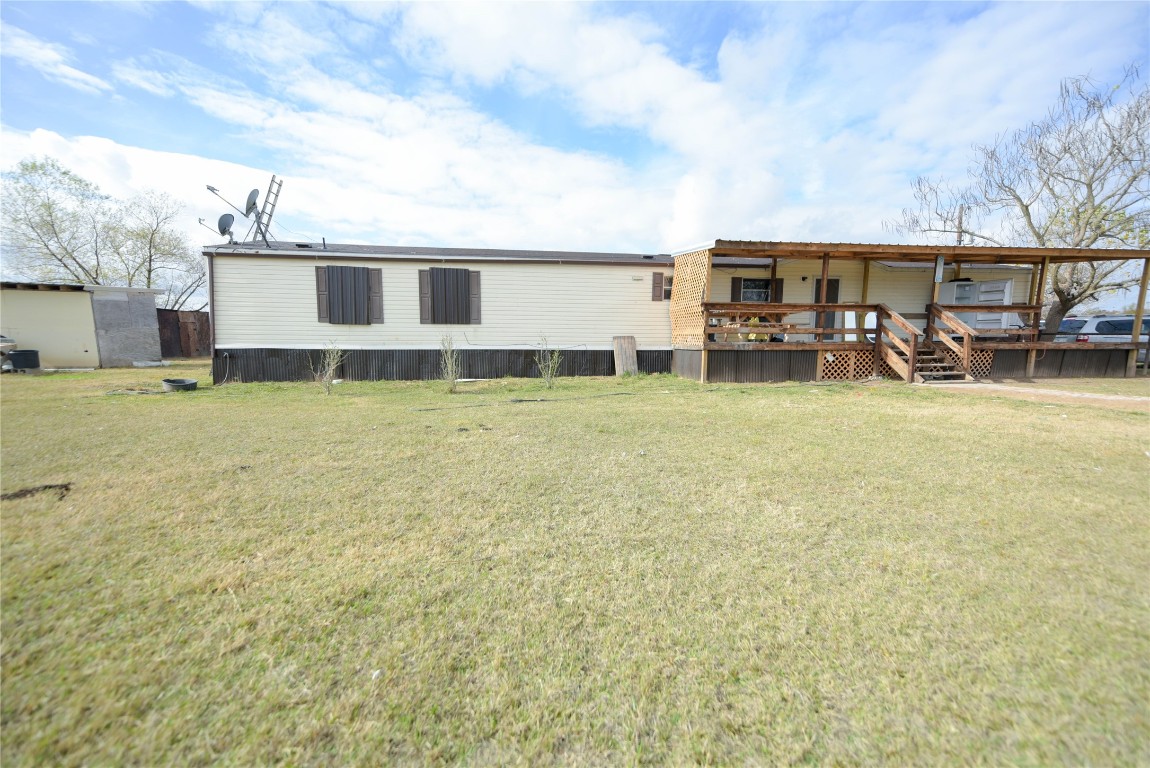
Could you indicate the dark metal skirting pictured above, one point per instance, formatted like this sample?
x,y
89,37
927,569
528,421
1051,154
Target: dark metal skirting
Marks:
x,y
1072,363
750,366
234,365
687,363
1008,364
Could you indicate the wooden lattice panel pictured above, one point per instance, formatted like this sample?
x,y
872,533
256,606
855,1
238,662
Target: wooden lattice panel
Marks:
x,y
981,360
885,371
688,292
848,365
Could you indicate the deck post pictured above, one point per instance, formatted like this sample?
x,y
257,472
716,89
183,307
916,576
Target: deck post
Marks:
x,y
866,282
1037,294
1136,331
1031,358
877,339
912,358
821,317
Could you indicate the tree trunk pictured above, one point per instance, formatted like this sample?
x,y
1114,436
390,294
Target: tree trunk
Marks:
x,y
1054,316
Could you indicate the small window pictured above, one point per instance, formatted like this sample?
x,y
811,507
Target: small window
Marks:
x,y
349,295
449,296
755,289
752,289
660,287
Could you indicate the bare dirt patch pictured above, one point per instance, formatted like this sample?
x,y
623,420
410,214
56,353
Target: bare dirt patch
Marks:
x,y
1027,391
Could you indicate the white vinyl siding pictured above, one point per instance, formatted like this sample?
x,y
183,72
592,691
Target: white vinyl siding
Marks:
x,y
269,302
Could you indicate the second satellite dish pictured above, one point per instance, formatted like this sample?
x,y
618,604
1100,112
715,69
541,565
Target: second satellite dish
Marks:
x,y
225,225
253,199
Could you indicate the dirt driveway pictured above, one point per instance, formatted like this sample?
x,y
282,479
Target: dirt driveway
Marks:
x,y
1027,391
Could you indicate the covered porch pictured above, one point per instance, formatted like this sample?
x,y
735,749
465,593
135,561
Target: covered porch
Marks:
x,y
819,311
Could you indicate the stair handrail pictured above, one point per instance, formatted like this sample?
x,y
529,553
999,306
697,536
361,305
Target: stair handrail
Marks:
x,y
950,320
885,340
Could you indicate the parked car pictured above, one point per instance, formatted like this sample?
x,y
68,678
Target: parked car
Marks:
x,y
1103,328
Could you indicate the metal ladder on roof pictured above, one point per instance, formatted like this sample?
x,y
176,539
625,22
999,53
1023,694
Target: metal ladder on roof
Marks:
x,y
264,220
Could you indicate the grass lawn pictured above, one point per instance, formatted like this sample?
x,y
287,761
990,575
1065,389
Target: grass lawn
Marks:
x,y
644,570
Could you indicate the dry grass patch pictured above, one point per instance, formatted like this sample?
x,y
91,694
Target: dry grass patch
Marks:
x,y
612,571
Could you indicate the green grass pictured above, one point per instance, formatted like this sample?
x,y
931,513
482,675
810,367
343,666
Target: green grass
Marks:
x,y
643,570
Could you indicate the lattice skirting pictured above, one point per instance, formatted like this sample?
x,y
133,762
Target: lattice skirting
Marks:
x,y
849,365
981,360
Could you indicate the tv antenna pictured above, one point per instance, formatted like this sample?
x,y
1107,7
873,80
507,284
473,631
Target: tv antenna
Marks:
x,y
263,219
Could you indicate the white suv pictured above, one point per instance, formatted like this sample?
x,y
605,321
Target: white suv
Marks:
x,y
1103,328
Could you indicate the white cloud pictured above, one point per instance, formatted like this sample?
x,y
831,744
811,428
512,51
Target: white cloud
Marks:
x,y
810,124
49,59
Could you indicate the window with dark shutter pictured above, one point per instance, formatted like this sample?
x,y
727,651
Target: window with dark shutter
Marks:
x,y
756,289
349,295
656,286
449,296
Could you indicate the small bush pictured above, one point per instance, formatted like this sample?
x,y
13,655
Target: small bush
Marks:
x,y
329,363
548,360
449,363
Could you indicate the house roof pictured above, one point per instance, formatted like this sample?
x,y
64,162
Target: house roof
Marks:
x,y
17,285
14,285
407,253
963,254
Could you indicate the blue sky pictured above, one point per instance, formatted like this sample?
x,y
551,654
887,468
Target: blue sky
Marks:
x,y
617,126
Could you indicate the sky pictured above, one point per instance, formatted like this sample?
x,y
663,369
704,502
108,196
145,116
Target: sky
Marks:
x,y
630,127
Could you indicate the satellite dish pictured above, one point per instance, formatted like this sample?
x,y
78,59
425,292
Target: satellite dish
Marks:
x,y
225,225
253,198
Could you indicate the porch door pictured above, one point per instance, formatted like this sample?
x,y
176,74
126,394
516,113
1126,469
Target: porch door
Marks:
x,y
827,319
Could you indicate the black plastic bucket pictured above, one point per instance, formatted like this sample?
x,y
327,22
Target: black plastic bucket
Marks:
x,y
24,359
179,385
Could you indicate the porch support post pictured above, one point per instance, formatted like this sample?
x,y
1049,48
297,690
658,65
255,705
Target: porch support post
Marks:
x,y
821,317
939,266
866,281
957,270
1038,287
1136,331
1031,357
774,276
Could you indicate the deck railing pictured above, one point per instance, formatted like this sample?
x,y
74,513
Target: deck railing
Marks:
x,y
887,341
764,320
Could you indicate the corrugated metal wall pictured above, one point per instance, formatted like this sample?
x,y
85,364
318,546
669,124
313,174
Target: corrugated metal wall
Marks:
x,y
687,363
1059,363
418,364
753,365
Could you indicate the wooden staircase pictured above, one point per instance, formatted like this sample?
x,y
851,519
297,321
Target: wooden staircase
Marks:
x,y
931,366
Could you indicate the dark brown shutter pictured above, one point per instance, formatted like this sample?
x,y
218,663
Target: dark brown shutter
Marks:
x,y
424,296
375,291
473,278
777,291
656,286
736,289
321,293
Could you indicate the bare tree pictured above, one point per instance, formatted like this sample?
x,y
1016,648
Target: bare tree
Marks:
x,y
54,224
1079,178
59,226
151,252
